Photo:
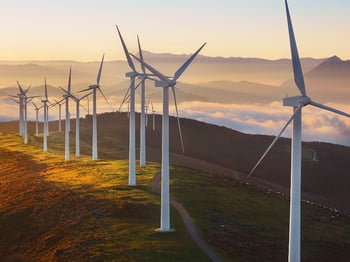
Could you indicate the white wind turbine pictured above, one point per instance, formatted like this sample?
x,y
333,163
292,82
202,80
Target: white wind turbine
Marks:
x,y
45,106
67,126
59,103
21,96
167,83
77,120
36,118
132,145
94,117
142,76
146,111
25,100
143,119
297,102
153,118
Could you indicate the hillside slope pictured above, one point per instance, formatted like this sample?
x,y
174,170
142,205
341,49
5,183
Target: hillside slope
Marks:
x,y
82,210
217,149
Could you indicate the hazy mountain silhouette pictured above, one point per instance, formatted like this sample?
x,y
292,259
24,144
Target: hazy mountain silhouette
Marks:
x,y
327,82
333,67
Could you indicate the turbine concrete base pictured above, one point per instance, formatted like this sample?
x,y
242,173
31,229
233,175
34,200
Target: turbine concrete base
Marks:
x,y
159,230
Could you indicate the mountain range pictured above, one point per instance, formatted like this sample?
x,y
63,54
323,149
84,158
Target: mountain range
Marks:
x,y
239,80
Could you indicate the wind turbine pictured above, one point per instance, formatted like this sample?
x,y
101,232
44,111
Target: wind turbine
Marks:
x,y
45,101
167,83
36,118
24,99
77,123
143,119
67,127
142,76
59,103
297,102
153,118
94,118
132,146
20,96
146,111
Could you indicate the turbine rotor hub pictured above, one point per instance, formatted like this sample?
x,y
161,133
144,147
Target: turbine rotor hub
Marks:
x,y
296,101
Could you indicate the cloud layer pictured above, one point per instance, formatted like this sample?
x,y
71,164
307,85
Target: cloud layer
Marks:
x,y
318,124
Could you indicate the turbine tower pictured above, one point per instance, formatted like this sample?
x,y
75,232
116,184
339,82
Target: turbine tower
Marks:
x,y
167,83
94,117
45,101
153,118
36,118
297,103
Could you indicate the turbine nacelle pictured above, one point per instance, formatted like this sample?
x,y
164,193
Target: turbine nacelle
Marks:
x,y
296,101
142,76
94,86
45,101
131,74
162,83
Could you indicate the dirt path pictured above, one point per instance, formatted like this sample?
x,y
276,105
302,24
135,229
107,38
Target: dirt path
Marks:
x,y
191,228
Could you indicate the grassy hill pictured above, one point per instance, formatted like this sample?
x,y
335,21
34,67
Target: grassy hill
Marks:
x,y
217,149
55,210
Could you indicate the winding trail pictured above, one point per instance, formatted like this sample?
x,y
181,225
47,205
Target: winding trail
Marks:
x,y
191,228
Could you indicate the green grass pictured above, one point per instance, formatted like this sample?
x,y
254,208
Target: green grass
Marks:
x,y
114,222
246,223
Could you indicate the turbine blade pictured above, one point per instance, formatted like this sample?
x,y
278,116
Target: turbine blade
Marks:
x,y
83,107
99,89
298,72
182,69
100,71
275,140
126,96
45,90
15,101
73,97
138,84
141,55
153,70
64,90
131,64
26,91
329,109
84,90
32,96
20,87
36,107
69,79
84,96
59,102
178,120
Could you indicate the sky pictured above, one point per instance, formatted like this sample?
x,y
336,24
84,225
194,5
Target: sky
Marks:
x,y
84,29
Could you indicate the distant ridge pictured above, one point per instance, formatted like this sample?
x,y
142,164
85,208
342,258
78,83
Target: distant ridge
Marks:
x,y
332,67
201,58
